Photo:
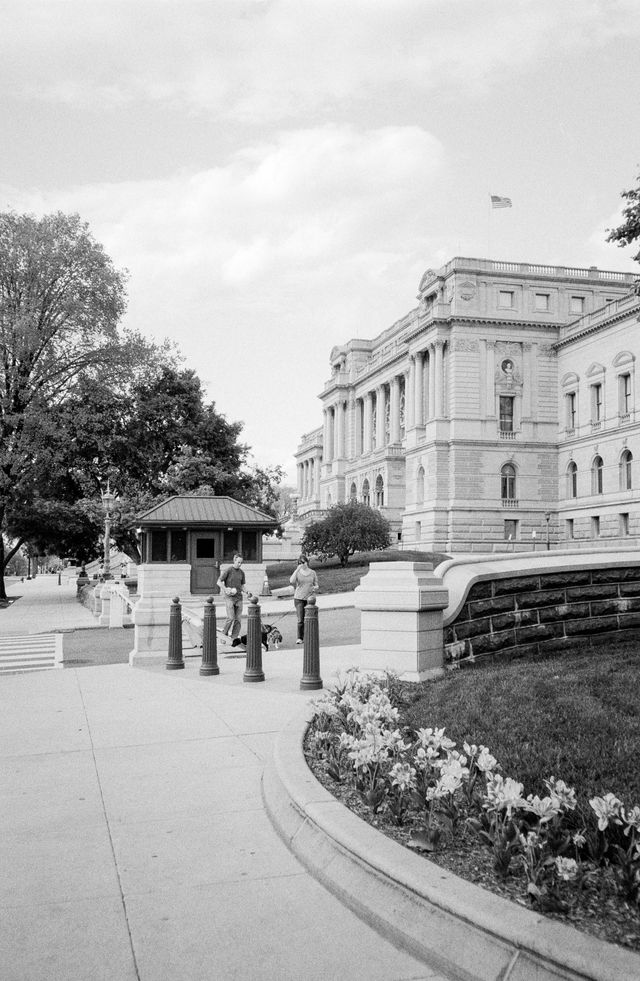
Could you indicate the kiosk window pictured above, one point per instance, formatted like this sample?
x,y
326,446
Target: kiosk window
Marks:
x,y
178,546
159,545
250,545
206,548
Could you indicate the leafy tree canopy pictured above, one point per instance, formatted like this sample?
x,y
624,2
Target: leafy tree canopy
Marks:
x,y
347,528
629,231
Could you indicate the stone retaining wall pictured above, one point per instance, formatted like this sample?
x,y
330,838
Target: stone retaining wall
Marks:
x,y
545,612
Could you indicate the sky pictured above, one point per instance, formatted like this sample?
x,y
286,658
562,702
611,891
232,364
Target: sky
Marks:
x,y
276,175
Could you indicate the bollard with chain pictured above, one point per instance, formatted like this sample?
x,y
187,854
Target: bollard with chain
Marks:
x,y
209,640
311,679
253,669
175,661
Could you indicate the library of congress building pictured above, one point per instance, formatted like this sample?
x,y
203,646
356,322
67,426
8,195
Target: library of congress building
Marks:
x,y
501,412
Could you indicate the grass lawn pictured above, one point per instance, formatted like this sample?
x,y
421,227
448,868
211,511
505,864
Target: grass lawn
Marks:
x,y
334,579
574,717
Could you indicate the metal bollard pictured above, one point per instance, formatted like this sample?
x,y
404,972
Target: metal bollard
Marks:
x,y
209,640
253,670
311,679
175,660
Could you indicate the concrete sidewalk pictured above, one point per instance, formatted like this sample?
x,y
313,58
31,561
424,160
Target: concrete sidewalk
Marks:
x,y
136,843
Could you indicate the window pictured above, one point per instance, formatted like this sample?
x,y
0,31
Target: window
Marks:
x,y
624,525
596,475
353,493
596,403
366,494
179,545
569,529
205,548
625,470
418,531
624,394
508,482
542,301
505,298
230,544
420,486
379,492
570,403
595,527
506,413
249,547
576,304
159,545
510,530
572,480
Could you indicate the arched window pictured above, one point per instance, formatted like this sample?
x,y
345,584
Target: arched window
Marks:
x,y
329,501
572,479
596,475
366,494
420,486
625,470
353,493
379,491
508,482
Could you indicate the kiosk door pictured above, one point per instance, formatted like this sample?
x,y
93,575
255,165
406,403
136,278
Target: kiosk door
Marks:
x,y
205,562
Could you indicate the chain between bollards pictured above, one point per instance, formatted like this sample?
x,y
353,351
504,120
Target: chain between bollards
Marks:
x,y
175,660
311,679
209,640
253,670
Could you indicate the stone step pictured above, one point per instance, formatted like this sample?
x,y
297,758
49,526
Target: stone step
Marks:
x,y
30,652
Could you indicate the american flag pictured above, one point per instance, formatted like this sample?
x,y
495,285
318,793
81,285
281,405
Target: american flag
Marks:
x,y
498,202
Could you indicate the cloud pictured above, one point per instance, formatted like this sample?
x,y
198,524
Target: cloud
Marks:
x,y
252,62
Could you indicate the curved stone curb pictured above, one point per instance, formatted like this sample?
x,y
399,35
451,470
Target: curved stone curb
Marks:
x,y
452,925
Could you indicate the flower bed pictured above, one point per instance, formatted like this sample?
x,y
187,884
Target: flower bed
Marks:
x,y
454,806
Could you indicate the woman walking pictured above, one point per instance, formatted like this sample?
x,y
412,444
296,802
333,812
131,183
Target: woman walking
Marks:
x,y
306,584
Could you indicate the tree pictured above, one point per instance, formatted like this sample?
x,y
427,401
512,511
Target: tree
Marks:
x,y
629,230
61,300
347,528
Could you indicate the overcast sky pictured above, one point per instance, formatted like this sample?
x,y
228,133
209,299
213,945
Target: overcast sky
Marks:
x,y
277,174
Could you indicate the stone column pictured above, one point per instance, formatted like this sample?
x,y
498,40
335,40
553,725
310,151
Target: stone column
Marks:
x,y
325,435
410,394
491,390
300,466
418,411
438,379
380,409
394,421
432,382
339,430
368,417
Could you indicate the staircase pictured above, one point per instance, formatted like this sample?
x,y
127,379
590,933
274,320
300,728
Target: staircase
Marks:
x,y
30,652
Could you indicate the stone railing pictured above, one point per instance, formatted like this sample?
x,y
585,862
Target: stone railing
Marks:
x,y
537,603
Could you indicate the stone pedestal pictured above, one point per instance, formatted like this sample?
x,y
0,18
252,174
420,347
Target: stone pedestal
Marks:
x,y
401,628
158,584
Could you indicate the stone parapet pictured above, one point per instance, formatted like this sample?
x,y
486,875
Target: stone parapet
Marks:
x,y
401,627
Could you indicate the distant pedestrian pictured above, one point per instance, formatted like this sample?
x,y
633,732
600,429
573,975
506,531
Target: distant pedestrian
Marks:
x,y
232,583
305,581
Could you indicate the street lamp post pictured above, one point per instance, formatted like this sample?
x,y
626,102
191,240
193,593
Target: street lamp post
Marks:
x,y
107,503
547,518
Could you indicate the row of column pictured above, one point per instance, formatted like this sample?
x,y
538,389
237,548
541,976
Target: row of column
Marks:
x,y
309,479
427,370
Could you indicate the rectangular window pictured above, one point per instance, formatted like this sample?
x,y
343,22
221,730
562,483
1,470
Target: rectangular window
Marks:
x,y
178,545
624,525
576,304
596,403
571,410
510,530
505,299
595,527
569,529
159,545
230,544
250,546
624,383
542,301
506,413
205,548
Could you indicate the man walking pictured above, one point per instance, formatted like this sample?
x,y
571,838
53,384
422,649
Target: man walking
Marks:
x,y
231,582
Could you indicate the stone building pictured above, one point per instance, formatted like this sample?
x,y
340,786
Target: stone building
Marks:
x,y
498,413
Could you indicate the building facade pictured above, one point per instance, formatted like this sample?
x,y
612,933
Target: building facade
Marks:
x,y
500,412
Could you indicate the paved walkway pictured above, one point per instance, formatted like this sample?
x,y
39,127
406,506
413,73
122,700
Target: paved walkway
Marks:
x,y
135,840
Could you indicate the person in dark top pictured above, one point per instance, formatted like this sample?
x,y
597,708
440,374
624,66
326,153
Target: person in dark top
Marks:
x,y
232,584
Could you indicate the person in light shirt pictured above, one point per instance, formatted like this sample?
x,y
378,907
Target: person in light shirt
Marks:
x,y
306,585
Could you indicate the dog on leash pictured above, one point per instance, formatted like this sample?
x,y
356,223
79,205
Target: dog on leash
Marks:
x,y
271,638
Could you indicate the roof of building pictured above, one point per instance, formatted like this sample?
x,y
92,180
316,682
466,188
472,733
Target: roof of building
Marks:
x,y
205,511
